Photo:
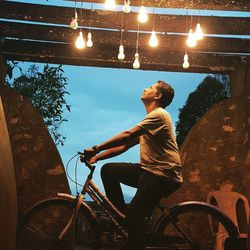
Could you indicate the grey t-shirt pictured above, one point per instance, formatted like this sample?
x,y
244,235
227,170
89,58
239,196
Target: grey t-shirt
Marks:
x,y
158,148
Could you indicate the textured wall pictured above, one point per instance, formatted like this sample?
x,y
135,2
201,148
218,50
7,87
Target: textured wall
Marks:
x,y
38,167
215,154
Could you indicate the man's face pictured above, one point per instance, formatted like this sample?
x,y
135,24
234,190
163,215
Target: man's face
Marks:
x,y
149,93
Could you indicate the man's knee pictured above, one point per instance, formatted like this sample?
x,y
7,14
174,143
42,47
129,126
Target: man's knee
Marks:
x,y
106,170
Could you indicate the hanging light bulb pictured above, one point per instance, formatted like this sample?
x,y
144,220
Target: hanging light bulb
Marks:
x,y
89,41
199,32
191,40
126,7
73,24
153,41
110,4
80,43
136,64
143,16
121,54
185,64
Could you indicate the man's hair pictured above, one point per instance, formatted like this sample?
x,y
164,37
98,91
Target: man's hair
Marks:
x,y
167,93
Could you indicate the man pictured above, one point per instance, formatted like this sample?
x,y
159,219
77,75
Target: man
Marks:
x,y
159,172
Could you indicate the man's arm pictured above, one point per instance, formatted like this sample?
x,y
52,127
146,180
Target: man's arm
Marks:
x,y
117,145
111,152
123,138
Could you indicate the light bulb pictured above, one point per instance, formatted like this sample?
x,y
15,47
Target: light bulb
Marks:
x,y
198,32
136,64
89,41
110,4
185,64
126,7
153,41
121,54
143,16
73,24
80,43
191,40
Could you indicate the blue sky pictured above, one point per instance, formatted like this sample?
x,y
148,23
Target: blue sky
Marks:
x,y
107,101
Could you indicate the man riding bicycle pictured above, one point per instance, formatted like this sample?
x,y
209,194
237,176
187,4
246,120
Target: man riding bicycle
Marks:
x,y
159,172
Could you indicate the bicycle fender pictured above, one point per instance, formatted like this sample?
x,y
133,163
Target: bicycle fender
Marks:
x,y
179,208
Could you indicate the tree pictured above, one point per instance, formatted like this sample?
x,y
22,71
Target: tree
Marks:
x,y
46,90
211,90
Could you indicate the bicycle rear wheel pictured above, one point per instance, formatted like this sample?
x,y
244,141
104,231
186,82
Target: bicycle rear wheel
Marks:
x,y
41,225
205,226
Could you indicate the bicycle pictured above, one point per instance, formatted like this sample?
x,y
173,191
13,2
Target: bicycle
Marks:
x,y
51,223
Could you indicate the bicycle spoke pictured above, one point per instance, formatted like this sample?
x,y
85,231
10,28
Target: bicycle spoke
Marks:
x,y
37,231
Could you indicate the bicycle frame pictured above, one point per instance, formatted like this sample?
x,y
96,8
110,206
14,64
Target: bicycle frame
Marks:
x,y
100,199
109,209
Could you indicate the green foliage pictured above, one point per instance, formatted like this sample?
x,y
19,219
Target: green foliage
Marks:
x,y
211,90
46,90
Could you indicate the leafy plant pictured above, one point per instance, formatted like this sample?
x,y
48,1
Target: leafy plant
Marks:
x,y
46,90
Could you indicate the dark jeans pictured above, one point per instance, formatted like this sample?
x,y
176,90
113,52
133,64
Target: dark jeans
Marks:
x,y
150,189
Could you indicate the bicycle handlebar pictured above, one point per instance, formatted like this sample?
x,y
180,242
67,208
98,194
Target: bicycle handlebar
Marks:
x,y
86,162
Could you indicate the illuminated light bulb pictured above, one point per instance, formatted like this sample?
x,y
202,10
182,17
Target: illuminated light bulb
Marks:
x,y
126,7
110,4
80,43
199,32
121,54
153,41
73,24
191,40
142,17
185,64
89,41
136,64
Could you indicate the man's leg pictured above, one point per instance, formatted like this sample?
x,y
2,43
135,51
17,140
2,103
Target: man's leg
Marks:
x,y
115,173
150,190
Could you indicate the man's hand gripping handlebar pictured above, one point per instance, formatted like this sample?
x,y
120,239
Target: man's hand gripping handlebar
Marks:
x,y
85,160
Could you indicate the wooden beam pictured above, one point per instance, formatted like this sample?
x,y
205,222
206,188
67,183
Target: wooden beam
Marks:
x,y
227,5
112,38
112,20
107,57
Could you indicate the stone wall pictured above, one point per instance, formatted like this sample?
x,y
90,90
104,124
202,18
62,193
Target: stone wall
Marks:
x,y
38,166
215,154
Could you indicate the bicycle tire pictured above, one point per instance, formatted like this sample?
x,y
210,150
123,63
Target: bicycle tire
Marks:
x,y
40,226
196,220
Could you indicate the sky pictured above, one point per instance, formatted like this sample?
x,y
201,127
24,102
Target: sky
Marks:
x,y
106,101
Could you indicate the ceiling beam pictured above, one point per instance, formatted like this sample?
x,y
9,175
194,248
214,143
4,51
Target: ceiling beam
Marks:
x,y
112,20
226,5
107,57
112,39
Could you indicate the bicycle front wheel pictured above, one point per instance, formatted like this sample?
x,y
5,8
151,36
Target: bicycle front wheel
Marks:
x,y
41,225
196,226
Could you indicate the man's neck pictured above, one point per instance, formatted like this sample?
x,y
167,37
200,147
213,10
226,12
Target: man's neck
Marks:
x,y
151,106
